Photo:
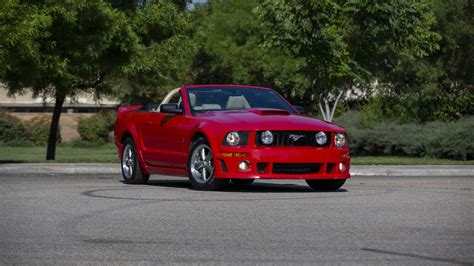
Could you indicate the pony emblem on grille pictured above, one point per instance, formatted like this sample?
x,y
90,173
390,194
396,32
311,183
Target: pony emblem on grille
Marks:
x,y
295,137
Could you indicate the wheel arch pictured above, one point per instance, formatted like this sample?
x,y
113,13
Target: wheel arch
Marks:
x,y
132,134
126,135
204,130
197,135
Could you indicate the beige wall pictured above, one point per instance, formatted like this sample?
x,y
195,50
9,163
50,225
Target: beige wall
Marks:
x,y
82,98
67,122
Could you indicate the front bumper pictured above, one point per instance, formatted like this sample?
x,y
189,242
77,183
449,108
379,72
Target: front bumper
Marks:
x,y
282,162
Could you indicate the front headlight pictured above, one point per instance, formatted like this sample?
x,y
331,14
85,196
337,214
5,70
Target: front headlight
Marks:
x,y
321,138
267,137
233,138
236,138
340,140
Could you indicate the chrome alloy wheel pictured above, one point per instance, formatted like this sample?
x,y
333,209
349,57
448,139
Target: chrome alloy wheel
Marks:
x,y
128,160
201,164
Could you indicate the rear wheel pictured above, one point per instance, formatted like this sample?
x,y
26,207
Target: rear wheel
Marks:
x,y
326,184
131,171
240,181
201,167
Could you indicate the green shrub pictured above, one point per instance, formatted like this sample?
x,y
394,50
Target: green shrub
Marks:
x,y
15,132
427,103
12,130
38,128
96,128
451,140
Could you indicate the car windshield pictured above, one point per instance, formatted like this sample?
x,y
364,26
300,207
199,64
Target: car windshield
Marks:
x,y
235,98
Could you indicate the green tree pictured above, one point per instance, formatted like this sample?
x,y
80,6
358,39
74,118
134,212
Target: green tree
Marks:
x,y
166,51
349,44
229,36
453,63
455,24
437,87
61,48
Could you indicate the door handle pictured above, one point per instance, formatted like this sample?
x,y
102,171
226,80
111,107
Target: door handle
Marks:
x,y
148,123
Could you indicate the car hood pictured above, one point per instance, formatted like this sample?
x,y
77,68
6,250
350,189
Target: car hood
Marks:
x,y
260,119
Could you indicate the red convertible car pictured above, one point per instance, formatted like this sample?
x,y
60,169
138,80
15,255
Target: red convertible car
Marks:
x,y
219,133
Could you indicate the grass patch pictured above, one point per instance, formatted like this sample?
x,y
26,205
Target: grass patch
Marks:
x,y
64,154
107,154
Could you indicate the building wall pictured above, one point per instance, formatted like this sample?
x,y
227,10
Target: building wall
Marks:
x,y
67,122
27,98
26,107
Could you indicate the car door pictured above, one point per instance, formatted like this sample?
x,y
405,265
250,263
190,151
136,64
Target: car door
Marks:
x,y
164,141
163,138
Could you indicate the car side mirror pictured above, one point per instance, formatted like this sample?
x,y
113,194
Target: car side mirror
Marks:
x,y
170,108
300,109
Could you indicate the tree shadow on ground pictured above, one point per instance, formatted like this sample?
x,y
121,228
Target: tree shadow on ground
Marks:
x,y
10,161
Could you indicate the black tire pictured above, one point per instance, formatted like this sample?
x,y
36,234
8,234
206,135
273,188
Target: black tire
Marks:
x,y
131,170
201,170
326,184
240,181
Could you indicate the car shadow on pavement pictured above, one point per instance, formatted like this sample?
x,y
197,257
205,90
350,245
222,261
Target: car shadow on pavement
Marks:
x,y
261,187
174,183
257,187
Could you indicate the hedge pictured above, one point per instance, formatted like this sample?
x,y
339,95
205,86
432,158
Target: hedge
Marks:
x,y
35,131
38,128
97,127
12,130
451,140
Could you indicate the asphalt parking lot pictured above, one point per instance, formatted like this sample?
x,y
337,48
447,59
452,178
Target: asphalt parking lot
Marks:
x,y
70,219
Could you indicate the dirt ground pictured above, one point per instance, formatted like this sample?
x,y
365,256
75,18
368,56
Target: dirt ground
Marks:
x,y
67,122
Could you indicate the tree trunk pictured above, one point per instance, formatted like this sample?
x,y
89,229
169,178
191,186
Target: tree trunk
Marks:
x,y
308,102
308,105
326,111
53,130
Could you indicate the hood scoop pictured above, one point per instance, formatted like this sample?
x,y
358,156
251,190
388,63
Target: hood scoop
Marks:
x,y
260,111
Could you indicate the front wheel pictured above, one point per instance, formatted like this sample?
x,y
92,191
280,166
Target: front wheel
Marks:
x,y
201,167
131,171
326,184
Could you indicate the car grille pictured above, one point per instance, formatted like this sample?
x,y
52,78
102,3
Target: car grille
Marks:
x,y
293,138
295,168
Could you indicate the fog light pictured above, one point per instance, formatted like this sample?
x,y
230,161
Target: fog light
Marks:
x,y
342,167
244,166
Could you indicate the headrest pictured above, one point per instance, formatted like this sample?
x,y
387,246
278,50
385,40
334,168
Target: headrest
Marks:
x,y
192,99
237,103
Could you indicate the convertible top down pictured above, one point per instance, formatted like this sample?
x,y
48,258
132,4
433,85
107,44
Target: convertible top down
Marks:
x,y
219,133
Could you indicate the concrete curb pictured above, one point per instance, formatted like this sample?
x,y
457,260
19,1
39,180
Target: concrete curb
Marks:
x,y
60,168
412,170
356,170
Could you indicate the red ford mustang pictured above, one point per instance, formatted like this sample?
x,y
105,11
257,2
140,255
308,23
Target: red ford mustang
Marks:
x,y
219,133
